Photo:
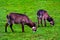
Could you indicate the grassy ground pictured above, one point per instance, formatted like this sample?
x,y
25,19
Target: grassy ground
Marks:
x,y
30,7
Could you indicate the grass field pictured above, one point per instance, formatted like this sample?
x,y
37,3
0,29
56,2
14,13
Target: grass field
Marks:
x,y
30,7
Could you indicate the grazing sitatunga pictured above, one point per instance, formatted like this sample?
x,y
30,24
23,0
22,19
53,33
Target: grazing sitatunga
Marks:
x,y
43,15
16,18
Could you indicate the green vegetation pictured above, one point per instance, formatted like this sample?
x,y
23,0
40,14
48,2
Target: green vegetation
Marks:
x,y
30,8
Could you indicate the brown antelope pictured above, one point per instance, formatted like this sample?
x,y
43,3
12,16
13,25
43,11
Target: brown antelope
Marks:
x,y
16,18
43,15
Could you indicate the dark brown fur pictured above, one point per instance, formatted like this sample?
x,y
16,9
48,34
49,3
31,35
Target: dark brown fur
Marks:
x,y
16,18
43,15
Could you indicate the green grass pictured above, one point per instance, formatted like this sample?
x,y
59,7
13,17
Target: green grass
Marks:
x,y
30,7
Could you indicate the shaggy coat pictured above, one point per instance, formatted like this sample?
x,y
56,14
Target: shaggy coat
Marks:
x,y
43,15
16,18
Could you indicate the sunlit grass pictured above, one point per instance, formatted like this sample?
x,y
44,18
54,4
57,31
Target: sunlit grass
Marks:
x,y
30,8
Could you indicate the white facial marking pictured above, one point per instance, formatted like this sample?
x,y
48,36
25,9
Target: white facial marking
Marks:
x,y
51,22
40,16
33,27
